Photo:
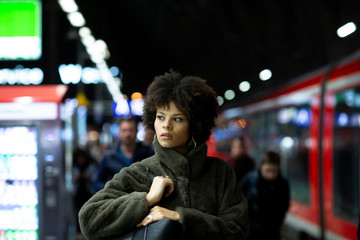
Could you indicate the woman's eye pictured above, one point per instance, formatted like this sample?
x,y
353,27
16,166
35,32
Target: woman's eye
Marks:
x,y
177,119
160,117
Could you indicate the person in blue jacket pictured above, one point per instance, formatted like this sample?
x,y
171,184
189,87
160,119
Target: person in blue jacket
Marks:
x,y
123,154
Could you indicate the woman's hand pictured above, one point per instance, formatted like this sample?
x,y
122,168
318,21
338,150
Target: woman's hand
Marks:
x,y
161,186
157,213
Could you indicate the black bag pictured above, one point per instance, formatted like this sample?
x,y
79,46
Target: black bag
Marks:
x,y
164,229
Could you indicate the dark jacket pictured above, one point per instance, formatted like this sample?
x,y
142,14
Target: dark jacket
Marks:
x,y
206,198
268,203
113,162
241,165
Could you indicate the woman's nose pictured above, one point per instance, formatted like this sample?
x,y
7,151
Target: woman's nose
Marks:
x,y
167,124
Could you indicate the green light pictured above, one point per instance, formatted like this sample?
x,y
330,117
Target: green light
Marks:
x,y
20,25
19,18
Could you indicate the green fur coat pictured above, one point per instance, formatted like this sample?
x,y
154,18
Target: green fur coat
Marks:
x,y
206,197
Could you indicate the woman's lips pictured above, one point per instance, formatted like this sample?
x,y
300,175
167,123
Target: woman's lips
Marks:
x,y
165,136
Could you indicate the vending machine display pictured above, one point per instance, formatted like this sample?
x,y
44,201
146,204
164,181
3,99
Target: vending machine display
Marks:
x,y
18,183
32,195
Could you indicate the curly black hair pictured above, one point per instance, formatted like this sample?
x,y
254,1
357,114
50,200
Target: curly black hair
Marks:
x,y
190,94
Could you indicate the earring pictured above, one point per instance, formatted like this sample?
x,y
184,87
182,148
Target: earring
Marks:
x,y
192,142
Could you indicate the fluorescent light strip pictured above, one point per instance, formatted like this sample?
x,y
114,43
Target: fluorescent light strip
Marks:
x,y
97,49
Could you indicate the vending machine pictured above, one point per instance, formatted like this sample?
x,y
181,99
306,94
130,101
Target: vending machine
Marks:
x,y
31,163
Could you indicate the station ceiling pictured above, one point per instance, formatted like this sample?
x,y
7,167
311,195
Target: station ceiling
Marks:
x,y
224,41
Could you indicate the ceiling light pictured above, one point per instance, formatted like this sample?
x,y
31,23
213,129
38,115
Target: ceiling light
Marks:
x,y
84,32
68,5
220,100
92,47
346,30
265,75
244,86
76,19
229,94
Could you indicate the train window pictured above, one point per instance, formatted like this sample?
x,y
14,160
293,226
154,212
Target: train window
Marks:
x,y
294,145
257,132
286,130
346,154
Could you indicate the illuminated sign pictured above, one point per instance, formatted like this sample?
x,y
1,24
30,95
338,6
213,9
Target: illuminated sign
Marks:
x,y
74,73
125,108
20,29
121,108
303,117
30,111
136,107
300,117
21,75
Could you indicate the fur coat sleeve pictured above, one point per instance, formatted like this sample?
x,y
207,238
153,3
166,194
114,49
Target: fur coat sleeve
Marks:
x,y
117,208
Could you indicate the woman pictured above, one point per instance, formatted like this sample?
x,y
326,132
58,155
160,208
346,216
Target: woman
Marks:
x,y
239,159
198,191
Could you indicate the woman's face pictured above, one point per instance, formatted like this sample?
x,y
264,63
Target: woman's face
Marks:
x,y
172,128
237,148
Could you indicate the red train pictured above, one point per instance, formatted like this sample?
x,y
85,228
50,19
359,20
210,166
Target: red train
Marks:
x,y
314,123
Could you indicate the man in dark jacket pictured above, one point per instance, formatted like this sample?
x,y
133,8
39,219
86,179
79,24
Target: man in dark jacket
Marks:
x,y
268,198
124,153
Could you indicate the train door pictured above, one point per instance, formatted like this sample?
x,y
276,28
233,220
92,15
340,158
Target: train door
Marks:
x,y
341,162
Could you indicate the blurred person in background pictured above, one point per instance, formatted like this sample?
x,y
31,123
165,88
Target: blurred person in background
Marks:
x,y
239,159
123,154
83,174
268,196
149,138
